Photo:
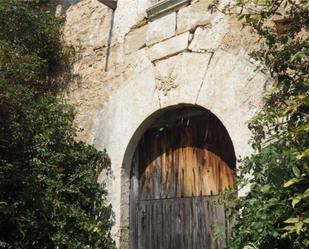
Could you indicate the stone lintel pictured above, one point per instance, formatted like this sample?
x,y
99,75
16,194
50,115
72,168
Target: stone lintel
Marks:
x,y
165,7
109,3
169,47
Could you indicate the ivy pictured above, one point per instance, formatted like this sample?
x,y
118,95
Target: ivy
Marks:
x,y
49,195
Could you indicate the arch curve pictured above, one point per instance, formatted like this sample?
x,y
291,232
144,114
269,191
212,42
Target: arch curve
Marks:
x,y
159,118
160,115
181,153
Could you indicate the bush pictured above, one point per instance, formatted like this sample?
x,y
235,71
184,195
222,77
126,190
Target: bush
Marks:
x,y
49,195
275,214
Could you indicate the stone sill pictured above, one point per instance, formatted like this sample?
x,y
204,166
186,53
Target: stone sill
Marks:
x,y
165,7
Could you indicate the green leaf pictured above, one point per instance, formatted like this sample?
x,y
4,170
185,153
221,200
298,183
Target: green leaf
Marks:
x,y
291,182
265,188
296,200
250,246
302,154
292,220
289,228
299,227
296,171
219,232
302,128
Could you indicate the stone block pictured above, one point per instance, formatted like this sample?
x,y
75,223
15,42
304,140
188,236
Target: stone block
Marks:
x,y
169,47
209,39
161,29
194,15
125,17
85,25
142,6
116,58
136,63
239,39
135,39
176,76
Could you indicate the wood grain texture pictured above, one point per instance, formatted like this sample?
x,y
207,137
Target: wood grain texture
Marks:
x,y
184,160
179,167
180,223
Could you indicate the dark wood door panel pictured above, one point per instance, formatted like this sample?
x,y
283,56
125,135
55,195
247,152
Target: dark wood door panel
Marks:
x,y
179,223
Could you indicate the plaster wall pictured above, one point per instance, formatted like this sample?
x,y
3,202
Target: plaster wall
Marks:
x,y
127,68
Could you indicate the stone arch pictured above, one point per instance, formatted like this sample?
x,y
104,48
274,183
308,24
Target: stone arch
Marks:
x,y
193,118
127,162
232,97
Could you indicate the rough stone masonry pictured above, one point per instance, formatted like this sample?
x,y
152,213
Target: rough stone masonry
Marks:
x,y
128,66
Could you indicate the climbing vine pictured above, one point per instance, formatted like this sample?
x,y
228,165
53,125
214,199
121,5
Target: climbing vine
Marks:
x,y
275,212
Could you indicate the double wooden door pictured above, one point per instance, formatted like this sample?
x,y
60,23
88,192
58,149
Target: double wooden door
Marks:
x,y
178,170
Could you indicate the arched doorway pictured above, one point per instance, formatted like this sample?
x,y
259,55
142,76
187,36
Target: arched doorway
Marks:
x,y
180,165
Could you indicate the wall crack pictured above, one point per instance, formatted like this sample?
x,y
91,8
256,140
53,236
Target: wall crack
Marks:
x,y
204,77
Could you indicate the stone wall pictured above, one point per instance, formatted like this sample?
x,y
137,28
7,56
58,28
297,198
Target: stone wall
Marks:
x,y
127,68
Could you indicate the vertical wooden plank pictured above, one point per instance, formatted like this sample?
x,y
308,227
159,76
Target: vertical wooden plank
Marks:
x,y
172,226
219,217
177,175
202,221
141,210
164,166
188,224
205,204
150,226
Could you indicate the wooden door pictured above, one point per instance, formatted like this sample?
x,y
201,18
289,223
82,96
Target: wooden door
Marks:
x,y
180,166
